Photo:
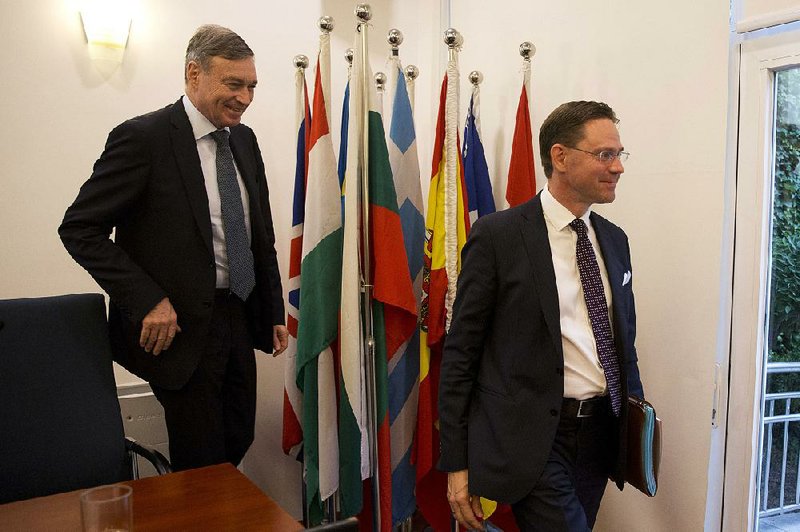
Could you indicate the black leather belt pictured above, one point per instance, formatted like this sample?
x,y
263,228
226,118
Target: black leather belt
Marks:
x,y
584,408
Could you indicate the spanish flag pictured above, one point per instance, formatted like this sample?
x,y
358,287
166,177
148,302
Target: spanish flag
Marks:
x,y
446,228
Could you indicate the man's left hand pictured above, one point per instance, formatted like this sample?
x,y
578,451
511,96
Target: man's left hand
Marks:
x,y
280,339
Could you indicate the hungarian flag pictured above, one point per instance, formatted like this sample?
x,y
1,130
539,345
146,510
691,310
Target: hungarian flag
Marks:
x,y
320,278
404,363
446,227
292,397
392,306
521,173
476,171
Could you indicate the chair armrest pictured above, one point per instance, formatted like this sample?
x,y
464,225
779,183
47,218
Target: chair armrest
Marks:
x,y
147,452
345,525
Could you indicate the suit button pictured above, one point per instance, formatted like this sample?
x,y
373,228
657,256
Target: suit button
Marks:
x,y
206,303
554,412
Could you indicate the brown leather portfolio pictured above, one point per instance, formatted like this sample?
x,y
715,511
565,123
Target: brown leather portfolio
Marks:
x,y
644,446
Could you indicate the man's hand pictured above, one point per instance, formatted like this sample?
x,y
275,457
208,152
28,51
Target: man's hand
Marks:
x,y
159,328
465,507
280,339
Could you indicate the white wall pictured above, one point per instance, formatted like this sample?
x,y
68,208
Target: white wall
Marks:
x,y
663,69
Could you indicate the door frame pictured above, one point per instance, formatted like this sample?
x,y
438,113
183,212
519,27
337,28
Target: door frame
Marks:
x,y
759,60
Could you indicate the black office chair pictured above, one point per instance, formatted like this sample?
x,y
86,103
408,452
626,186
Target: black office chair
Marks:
x,y
60,422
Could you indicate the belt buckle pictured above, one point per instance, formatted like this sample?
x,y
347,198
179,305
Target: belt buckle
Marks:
x,y
580,409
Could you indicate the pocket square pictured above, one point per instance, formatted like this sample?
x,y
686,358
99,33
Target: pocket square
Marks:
x,y
626,278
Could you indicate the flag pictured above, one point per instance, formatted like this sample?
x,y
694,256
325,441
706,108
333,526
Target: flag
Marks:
x,y
320,278
343,136
476,171
393,307
354,453
521,184
446,227
292,397
404,364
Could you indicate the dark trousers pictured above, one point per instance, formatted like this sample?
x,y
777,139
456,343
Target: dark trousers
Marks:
x,y
568,493
211,419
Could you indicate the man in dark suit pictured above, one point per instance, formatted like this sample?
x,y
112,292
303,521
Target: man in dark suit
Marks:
x,y
529,413
192,273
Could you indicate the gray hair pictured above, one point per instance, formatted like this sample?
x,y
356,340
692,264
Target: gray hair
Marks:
x,y
565,126
211,40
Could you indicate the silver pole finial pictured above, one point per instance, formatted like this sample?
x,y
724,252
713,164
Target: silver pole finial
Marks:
x,y
326,24
300,61
475,77
380,80
363,13
395,38
527,50
412,72
452,38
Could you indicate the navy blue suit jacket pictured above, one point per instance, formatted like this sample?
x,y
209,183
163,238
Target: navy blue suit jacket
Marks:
x,y
502,374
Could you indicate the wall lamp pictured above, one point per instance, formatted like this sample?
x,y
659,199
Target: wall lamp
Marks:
x,y
106,24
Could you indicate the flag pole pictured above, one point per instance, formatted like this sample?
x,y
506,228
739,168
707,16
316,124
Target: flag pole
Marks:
x,y
363,13
454,40
300,63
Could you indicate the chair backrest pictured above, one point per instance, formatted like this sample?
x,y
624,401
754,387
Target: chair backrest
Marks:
x,y
60,422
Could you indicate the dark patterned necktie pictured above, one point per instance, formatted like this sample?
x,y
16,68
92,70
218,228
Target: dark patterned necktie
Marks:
x,y
241,274
595,298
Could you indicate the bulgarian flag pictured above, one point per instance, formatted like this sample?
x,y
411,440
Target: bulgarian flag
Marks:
x,y
446,228
292,397
320,277
521,184
393,306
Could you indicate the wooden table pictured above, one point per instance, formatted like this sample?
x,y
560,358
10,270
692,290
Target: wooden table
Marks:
x,y
217,497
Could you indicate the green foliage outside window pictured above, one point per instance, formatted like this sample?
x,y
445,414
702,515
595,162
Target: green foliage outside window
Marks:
x,y
784,322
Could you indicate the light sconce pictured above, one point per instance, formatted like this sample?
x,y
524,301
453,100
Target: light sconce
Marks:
x,y
106,24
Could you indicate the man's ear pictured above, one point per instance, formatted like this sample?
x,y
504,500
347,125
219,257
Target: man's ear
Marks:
x,y
558,155
192,73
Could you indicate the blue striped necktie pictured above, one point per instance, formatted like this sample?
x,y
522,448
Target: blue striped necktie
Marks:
x,y
241,273
595,298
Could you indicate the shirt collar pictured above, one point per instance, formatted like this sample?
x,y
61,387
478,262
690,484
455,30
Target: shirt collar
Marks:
x,y
201,126
558,215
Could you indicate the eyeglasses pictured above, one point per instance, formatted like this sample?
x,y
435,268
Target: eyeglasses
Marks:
x,y
605,155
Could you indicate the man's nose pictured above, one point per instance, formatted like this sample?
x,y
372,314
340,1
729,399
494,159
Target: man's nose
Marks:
x,y
617,166
245,96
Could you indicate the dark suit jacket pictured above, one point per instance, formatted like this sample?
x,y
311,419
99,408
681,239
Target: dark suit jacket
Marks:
x,y
502,375
148,186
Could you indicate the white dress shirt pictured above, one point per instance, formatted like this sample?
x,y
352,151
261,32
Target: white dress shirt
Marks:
x,y
583,373
207,150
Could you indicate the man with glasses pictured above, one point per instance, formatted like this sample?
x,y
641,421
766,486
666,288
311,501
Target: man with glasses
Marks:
x,y
540,355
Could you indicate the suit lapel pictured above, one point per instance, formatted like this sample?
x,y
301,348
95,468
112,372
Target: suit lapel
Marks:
x,y
185,149
537,246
